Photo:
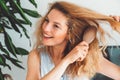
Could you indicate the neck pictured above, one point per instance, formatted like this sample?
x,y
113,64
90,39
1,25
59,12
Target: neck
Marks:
x,y
58,51
57,54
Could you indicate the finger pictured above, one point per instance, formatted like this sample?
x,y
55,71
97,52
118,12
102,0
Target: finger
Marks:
x,y
82,56
116,18
83,43
82,47
78,60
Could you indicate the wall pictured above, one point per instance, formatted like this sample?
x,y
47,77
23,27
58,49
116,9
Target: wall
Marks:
x,y
107,7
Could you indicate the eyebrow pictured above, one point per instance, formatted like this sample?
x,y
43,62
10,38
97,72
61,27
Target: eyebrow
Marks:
x,y
54,21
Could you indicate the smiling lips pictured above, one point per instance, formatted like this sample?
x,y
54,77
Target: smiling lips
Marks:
x,y
46,37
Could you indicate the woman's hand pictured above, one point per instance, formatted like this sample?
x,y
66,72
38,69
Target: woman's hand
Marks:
x,y
78,53
116,18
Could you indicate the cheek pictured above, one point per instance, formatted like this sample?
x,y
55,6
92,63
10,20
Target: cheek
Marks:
x,y
62,36
43,25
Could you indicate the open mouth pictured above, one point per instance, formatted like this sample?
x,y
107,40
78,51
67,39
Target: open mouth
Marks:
x,y
45,36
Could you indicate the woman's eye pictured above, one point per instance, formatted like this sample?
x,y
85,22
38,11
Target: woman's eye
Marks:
x,y
56,26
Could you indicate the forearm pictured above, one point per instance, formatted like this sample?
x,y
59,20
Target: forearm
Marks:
x,y
57,71
109,69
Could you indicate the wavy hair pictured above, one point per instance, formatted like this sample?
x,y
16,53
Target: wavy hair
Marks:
x,y
79,19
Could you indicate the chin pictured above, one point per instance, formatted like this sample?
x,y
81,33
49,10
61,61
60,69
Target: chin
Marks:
x,y
47,44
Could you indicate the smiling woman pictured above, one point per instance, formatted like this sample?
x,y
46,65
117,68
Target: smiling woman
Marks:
x,y
61,53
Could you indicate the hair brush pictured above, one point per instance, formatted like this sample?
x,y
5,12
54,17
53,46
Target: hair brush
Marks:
x,y
89,34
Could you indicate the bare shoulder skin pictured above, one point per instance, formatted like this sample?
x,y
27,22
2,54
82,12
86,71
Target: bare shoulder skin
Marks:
x,y
109,69
33,66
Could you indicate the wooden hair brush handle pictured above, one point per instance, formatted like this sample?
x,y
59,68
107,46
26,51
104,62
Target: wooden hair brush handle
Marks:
x,y
90,34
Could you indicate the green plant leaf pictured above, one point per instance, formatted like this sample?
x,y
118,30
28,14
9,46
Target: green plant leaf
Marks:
x,y
18,65
13,24
19,10
32,13
18,2
3,49
5,11
3,6
3,61
14,61
24,29
1,29
12,21
21,51
9,9
1,75
33,2
22,21
20,25
5,24
9,44
11,59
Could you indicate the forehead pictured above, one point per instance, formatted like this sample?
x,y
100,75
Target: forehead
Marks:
x,y
58,16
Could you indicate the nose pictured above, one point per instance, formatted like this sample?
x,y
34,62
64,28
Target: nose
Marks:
x,y
47,27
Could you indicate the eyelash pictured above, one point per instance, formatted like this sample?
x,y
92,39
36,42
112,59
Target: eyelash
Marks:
x,y
56,26
46,20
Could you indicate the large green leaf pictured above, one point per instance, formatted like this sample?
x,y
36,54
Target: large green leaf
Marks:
x,y
22,21
3,49
21,51
31,13
3,6
33,2
3,61
9,43
14,61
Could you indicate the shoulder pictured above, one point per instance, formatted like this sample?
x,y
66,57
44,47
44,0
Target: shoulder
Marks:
x,y
33,65
33,53
33,56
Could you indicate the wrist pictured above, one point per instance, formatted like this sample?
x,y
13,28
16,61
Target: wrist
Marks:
x,y
66,61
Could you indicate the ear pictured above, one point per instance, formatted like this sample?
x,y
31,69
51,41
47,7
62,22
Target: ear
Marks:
x,y
68,37
89,34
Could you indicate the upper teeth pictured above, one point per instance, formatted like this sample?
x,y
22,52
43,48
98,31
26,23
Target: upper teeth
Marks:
x,y
46,35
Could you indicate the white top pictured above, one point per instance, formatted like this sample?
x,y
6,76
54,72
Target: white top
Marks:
x,y
47,65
